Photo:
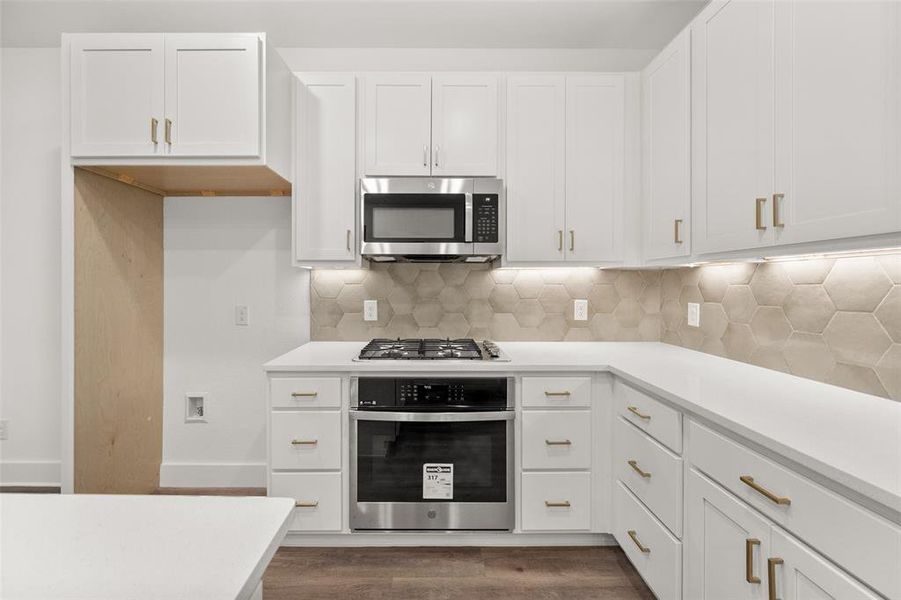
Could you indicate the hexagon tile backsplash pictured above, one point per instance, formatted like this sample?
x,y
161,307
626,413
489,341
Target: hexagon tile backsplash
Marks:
x,y
833,320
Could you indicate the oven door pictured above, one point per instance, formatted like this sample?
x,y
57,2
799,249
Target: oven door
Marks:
x,y
417,216
420,471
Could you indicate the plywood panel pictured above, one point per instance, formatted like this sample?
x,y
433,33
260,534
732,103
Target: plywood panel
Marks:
x,y
192,180
118,336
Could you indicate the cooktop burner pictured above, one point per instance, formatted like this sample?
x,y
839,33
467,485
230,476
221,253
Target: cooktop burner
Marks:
x,y
428,349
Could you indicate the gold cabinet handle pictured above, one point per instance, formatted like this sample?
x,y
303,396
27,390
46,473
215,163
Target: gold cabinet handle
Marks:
x,y
559,240
306,503
558,443
572,240
634,410
644,549
777,198
437,150
168,131
304,394
749,481
637,469
749,560
676,233
154,125
304,442
557,504
348,240
758,214
425,155
558,393
771,575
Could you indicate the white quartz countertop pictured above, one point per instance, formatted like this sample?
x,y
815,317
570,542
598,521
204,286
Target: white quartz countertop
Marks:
x,y
851,438
136,547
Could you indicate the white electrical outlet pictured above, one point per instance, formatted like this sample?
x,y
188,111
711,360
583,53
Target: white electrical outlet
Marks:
x,y
242,315
694,314
370,310
580,310
195,408
4,429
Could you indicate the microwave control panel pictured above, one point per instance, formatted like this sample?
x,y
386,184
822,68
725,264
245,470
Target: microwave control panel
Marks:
x,y
485,209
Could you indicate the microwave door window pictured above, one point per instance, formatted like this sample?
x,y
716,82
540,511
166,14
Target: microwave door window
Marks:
x,y
425,224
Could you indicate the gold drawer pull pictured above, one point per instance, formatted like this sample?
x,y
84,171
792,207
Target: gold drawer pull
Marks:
x,y
561,504
304,442
558,393
749,481
749,560
771,575
634,410
637,469
306,503
304,394
558,442
644,549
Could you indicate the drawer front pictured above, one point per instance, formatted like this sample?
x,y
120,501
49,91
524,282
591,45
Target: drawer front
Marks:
x,y
318,498
556,439
649,414
651,472
305,392
859,541
661,565
556,501
306,440
550,392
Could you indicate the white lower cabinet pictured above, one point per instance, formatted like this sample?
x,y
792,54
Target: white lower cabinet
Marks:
x,y
556,501
306,440
317,498
556,439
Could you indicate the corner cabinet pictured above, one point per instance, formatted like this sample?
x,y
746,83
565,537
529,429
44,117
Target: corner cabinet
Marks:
x,y
565,172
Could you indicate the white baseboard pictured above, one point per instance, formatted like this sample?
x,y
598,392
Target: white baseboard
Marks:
x,y
30,473
462,538
173,474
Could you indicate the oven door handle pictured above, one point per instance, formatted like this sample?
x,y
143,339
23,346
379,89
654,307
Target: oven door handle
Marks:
x,y
431,417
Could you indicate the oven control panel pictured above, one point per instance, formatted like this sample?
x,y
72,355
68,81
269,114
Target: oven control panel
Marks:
x,y
485,216
435,394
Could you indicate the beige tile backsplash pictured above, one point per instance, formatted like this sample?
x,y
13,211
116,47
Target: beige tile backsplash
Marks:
x,y
833,320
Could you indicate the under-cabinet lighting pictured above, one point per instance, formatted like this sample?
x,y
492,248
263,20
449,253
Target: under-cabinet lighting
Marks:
x,y
836,254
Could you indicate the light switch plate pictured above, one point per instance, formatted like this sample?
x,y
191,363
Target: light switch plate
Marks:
x,y
580,310
370,310
694,314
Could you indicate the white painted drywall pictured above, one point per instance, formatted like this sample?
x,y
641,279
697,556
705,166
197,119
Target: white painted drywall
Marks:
x,y
30,266
219,253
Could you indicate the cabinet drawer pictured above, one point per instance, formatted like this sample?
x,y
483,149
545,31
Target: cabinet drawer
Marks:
x,y
305,392
318,498
556,501
651,472
859,541
660,564
553,392
660,421
306,440
556,439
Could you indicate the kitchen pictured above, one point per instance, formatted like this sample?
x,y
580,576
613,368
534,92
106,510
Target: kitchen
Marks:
x,y
642,259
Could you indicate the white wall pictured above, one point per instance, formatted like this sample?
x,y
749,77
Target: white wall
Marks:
x,y
219,253
30,267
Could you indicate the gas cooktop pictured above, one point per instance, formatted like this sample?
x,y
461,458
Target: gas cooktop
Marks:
x,y
430,349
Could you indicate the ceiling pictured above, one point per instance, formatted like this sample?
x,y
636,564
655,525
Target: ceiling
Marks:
x,y
587,24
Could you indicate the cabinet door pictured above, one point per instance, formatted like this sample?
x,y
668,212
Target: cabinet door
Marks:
x,y
805,575
213,94
536,159
726,544
464,125
838,120
666,115
396,124
325,168
116,103
732,126
595,130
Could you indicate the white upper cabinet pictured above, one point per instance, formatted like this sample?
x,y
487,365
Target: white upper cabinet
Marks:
x,y
116,92
325,168
464,125
536,167
666,151
397,130
838,120
212,95
595,130
732,126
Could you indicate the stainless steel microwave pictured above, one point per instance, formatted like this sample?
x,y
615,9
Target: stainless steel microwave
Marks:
x,y
432,219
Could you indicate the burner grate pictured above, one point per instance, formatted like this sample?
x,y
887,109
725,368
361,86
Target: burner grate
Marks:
x,y
419,349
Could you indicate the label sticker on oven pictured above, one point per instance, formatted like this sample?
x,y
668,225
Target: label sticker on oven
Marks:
x,y
437,481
